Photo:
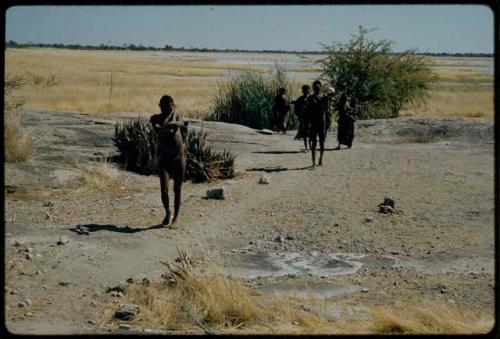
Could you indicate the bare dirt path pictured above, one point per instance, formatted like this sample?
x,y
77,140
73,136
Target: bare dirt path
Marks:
x,y
441,245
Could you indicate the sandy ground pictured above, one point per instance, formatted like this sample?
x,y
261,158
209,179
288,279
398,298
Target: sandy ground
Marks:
x,y
439,246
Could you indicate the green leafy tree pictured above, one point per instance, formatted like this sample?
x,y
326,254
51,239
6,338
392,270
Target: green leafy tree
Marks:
x,y
378,80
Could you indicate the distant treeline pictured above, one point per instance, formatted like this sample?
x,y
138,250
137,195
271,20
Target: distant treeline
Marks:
x,y
133,47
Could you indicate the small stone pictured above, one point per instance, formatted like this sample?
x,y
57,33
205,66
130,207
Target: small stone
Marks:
x,y
64,283
365,290
17,243
28,250
93,303
63,240
201,214
336,225
124,327
145,281
48,216
118,288
48,204
91,322
127,311
295,323
38,272
45,287
369,219
21,304
147,330
265,179
29,256
29,314
130,280
279,239
388,202
386,209
216,193
289,237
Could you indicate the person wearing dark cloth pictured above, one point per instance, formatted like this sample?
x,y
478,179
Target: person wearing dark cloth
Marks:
x,y
172,153
316,112
345,122
299,106
280,110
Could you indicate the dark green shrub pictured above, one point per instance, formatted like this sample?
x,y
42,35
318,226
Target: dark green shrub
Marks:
x,y
378,80
137,146
246,98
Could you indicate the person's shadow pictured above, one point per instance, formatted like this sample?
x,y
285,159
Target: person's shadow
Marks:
x,y
90,228
276,169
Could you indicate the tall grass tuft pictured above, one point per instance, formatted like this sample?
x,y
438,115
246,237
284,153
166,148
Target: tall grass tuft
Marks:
x,y
19,145
246,98
137,145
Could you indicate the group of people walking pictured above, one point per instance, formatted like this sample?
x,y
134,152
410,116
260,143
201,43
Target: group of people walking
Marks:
x,y
314,113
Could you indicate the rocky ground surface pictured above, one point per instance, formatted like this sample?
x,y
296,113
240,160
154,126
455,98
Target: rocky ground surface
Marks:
x,y
64,246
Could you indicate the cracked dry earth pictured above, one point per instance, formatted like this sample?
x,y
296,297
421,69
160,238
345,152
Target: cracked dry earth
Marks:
x,y
440,245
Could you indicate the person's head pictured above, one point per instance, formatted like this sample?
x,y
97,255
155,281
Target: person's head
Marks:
x,y
167,104
305,89
282,91
316,86
343,98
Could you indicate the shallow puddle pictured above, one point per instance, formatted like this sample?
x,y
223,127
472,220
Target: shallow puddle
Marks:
x,y
268,264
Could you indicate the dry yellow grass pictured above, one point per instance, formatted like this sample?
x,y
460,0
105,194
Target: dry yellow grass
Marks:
x,y
449,102
216,303
99,177
124,81
19,145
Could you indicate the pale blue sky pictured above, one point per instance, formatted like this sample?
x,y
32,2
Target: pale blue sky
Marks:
x,y
427,28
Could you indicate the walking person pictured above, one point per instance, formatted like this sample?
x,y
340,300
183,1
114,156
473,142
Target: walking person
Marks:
x,y
316,113
345,121
172,154
280,110
299,106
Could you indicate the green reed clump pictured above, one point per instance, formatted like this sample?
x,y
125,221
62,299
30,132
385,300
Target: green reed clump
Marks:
x,y
246,98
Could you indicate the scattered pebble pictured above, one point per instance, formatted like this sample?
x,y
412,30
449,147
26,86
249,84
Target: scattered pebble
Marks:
x,y
279,239
127,311
64,283
369,219
29,314
265,179
124,327
29,256
21,304
216,193
92,322
63,240
365,290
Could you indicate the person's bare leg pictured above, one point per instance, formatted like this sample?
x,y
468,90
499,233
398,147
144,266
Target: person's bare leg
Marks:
x,y
321,150
305,143
164,196
177,198
313,151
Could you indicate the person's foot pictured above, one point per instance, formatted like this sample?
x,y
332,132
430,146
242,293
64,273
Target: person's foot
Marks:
x,y
320,163
167,221
349,146
336,148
